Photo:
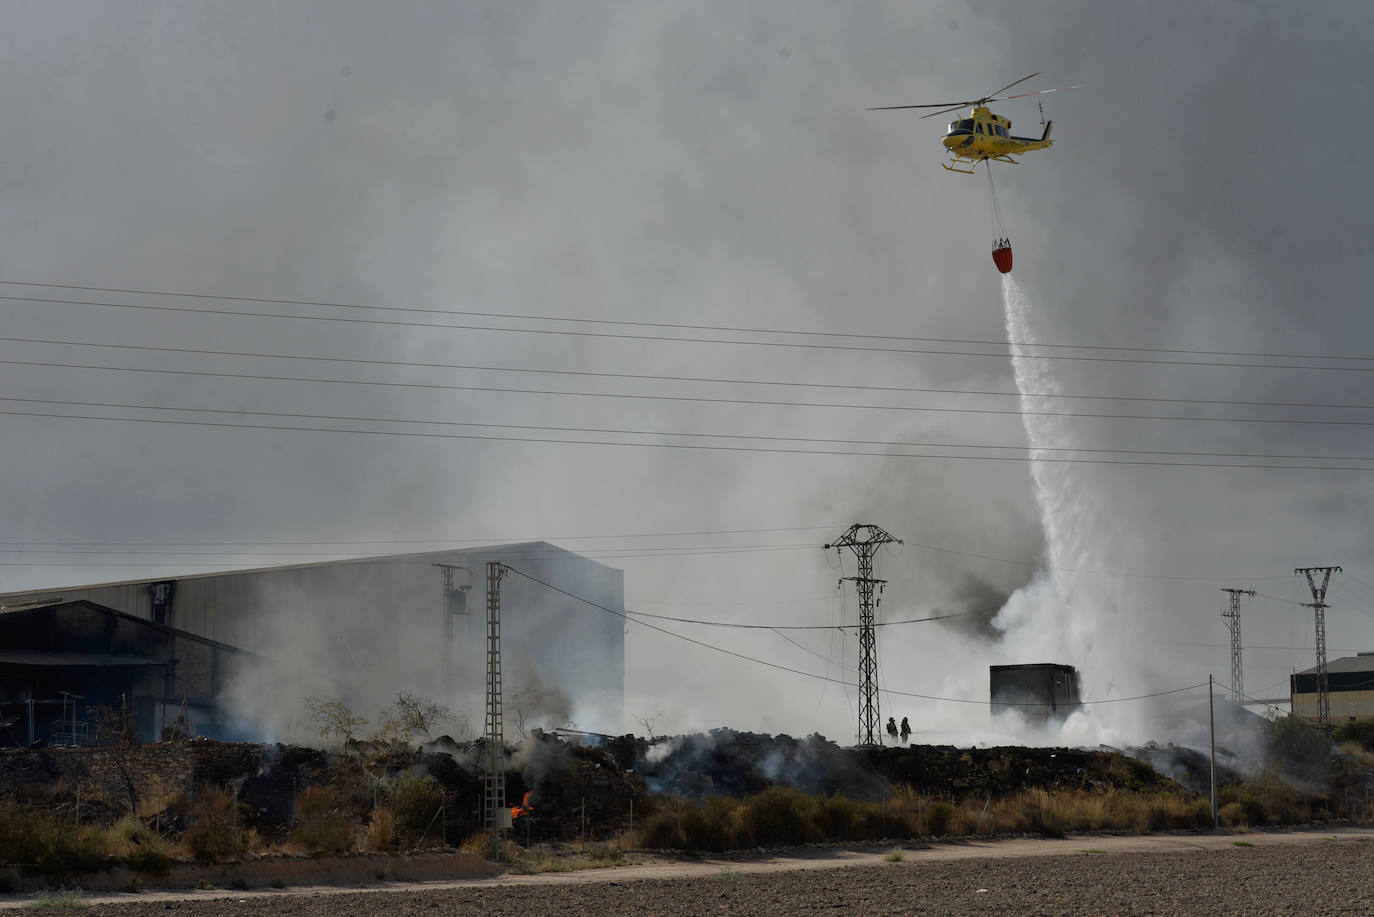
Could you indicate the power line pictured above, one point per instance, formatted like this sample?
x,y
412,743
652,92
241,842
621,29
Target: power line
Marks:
x,y
686,446
481,541
615,552
1360,581
645,614
696,399
671,433
638,377
1097,571
687,340
644,324
336,558
806,649
1349,593
773,665
1275,598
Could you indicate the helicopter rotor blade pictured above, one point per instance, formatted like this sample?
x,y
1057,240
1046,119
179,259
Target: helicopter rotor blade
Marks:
x,y
991,95
945,105
1040,92
948,110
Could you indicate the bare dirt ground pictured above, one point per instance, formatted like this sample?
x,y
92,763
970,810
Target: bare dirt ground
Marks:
x,y
1301,872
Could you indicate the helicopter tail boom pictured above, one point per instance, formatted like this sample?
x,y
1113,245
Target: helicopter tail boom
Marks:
x,y
1043,138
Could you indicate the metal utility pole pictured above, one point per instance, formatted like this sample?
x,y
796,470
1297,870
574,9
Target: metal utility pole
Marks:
x,y
495,815
1231,616
1212,738
1319,606
455,604
864,540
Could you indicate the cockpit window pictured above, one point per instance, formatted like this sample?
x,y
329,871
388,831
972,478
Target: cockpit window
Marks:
x,y
964,125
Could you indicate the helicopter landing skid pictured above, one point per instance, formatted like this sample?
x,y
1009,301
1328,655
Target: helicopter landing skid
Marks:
x,y
953,164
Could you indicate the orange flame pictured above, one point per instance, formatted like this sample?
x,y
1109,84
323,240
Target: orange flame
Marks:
x,y
523,809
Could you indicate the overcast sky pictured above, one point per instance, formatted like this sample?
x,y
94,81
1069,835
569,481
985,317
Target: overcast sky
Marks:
x,y
622,166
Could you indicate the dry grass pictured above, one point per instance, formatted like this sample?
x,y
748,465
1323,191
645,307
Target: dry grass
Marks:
x,y
381,831
215,834
138,845
576,857
781,816
320,827
49,846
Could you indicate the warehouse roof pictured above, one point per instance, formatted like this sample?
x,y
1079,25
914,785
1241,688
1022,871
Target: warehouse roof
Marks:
x,y
50,660
516,551
1361,662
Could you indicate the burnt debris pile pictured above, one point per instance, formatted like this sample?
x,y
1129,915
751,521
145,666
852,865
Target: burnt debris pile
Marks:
x,y
726,762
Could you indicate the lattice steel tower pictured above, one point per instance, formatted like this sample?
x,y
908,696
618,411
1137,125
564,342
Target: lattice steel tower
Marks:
x,y
494,778
455,605
1231,616
1319,606
864,540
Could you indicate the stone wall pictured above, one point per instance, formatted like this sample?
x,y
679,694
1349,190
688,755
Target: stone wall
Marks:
x,y
167,768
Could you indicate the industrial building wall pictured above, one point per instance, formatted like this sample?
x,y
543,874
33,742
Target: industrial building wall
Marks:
x,y
69,632
365,630
1345,705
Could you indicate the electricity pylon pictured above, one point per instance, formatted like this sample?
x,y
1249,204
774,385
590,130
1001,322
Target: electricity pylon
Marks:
x,y
495,815
864,540
455,604
1319,606
1231,616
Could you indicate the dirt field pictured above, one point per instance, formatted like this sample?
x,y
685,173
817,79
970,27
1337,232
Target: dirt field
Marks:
x,y
1282,873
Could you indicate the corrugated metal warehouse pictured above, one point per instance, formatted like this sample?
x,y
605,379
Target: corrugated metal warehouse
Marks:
x,y
1349,681
364,629
61,665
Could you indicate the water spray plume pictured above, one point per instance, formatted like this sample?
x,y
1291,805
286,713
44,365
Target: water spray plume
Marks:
x,y
1062,615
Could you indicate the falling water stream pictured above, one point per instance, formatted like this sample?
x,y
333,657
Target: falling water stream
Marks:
x,y
1068,612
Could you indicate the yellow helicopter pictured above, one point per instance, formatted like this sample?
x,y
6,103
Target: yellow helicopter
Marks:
x,y
984,136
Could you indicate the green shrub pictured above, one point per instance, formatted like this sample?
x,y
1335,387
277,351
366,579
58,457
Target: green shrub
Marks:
x,y
319,827
214,836
141,847
778,815
713,825
1232,815
656,824
66,899
49,846
1360,732
836,817
1266,801
939,815
415,803
1296,742
1152,816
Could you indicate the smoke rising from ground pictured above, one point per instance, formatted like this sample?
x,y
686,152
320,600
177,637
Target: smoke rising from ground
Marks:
x,y
683,164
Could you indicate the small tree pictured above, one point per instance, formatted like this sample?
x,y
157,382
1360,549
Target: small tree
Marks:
x,y
1361,732
1296,742
647,723
116,729
409,716
531,702
335,720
